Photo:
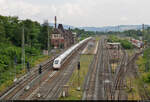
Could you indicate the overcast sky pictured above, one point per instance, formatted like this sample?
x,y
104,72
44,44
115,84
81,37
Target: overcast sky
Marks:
x,y
95,13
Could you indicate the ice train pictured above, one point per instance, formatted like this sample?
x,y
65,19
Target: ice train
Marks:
x,y
60,60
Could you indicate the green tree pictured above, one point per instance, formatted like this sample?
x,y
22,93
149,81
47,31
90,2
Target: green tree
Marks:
x,y
2,33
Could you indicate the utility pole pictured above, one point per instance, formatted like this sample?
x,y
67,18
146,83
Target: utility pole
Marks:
x,y
40,72
48,41
143,31
15,64
28,73
78,66
23,51
118,29
78,88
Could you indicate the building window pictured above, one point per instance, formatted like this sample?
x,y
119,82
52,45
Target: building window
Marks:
x,y
57,36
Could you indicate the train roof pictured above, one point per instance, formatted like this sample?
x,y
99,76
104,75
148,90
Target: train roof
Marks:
x,y
62,56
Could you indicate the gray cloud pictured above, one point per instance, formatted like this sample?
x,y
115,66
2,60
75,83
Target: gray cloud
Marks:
x,y
80,12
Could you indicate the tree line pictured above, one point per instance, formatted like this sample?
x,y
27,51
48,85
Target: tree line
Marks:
x,y
11,31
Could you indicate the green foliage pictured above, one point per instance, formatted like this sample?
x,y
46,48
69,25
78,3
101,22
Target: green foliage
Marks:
x,y
125,43
113,38
146,78
35,34
146,54
32,51
11,29
144,65
82,34
146,34
2,33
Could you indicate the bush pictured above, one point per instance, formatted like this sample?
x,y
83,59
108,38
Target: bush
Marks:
x,y
113,39
146,78
11,52
146,53
126,44
31,50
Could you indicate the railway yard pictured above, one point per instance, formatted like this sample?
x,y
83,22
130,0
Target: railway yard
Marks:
x,y
105,78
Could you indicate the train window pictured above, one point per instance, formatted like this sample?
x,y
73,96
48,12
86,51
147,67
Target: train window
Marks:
x,y
56,62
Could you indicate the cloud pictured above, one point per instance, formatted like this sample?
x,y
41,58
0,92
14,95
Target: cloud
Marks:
x,y
80,12
123,18
18,8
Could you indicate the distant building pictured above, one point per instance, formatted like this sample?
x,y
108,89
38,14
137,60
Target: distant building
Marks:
x,y
61,38
75,37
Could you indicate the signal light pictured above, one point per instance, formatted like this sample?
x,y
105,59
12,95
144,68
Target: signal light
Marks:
x,y
79,65
40,69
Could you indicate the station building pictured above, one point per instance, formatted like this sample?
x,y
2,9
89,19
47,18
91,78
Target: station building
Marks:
x,y
60,37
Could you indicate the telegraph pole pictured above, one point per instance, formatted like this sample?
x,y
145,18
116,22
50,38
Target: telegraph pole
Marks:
x,y
118,29
48,41
15,64
78,66
143,31
23,52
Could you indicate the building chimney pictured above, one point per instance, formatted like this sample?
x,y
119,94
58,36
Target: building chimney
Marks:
x,y
143,27
55,22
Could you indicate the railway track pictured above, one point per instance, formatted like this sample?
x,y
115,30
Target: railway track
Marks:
x,y
119,76
52,83
89,87
108,81
125,65
18,88
98,80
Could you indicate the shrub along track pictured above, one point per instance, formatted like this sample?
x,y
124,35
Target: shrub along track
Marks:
x,y
134,68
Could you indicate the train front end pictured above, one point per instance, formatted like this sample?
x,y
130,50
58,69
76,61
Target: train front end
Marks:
x,y
56,64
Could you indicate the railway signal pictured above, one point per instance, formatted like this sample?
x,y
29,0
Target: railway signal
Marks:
x,y
28,66
40,72
79,65
40,69
78,88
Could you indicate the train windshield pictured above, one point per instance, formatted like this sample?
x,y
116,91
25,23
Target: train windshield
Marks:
x,y
56,62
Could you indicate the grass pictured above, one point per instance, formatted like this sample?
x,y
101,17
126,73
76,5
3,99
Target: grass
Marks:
x,y
114,66
133,94
85,61
136,83
97,38
130,52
